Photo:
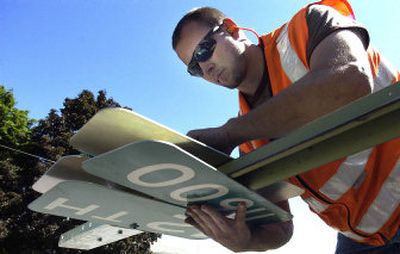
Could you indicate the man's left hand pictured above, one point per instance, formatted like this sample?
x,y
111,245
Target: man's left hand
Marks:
x,y
217,138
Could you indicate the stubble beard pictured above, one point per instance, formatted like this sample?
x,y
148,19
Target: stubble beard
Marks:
x,y
239,75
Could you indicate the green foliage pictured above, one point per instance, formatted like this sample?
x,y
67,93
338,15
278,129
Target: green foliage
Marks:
x,y
14,123
24,231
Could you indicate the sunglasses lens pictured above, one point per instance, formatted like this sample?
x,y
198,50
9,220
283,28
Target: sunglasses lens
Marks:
x,y
194,69
202,53
204,50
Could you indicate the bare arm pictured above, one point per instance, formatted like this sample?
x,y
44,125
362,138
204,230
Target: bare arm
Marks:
x,y
340,73
272,236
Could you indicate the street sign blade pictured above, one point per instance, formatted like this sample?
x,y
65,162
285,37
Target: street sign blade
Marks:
x,y
119,126
169,173
96,203
92,235
66,168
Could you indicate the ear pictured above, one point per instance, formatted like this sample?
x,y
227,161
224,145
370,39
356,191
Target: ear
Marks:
x,y
230,26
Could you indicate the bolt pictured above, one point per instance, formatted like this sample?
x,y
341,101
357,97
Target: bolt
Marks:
x,y
134,225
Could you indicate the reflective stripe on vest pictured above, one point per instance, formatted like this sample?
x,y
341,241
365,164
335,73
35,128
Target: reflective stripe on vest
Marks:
x,y
387,201
317,206
385,76
351,235
350,174
347,178
295,69
291,63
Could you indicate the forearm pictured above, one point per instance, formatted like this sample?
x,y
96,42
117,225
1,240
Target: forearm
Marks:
x,y
271,236
312,96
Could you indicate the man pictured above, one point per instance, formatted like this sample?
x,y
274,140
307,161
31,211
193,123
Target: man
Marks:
x,y
317,62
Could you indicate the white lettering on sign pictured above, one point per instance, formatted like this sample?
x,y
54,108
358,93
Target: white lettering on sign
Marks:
x,y
59,202
256,210
160,226
260,216
249,218
199,236
227,203
180,216
187,174
113,217
178,194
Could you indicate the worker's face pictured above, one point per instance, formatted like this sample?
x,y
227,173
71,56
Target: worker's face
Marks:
x,y
226,66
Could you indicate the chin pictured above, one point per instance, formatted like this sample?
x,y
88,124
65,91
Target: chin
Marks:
x,y
232,86
233,83
236,83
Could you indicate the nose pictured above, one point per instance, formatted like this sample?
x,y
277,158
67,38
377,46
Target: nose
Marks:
x,y
209,70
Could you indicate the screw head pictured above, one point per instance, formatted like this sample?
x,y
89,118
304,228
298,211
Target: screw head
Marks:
x,y
134,225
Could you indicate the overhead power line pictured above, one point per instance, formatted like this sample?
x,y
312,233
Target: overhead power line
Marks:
x,y
27,154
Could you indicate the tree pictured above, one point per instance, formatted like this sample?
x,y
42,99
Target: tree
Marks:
x,y
22,230
14,123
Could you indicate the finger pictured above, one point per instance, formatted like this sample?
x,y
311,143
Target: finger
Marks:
x,y
193,134
240,217
217,218
191,222
189,134
208,221
201,220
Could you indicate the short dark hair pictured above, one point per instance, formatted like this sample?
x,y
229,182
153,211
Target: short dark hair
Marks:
x,y
208,16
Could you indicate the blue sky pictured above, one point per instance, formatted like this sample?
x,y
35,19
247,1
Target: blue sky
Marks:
x,y
52,49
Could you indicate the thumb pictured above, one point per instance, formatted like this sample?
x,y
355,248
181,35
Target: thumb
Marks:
x,y
240,217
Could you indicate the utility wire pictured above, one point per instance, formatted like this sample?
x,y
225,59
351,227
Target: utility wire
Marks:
x,y
28,154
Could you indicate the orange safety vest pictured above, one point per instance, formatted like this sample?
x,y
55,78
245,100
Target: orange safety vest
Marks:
x,y
358,195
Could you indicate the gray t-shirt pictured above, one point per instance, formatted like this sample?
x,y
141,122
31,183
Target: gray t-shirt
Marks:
x,y
323,20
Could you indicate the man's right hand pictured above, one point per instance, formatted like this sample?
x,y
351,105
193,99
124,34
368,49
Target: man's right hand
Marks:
x,y
234,234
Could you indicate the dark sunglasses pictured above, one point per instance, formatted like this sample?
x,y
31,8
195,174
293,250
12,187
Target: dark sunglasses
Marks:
x,y
202,53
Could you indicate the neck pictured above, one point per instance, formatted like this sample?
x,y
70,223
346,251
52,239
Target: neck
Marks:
x,y
255,70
